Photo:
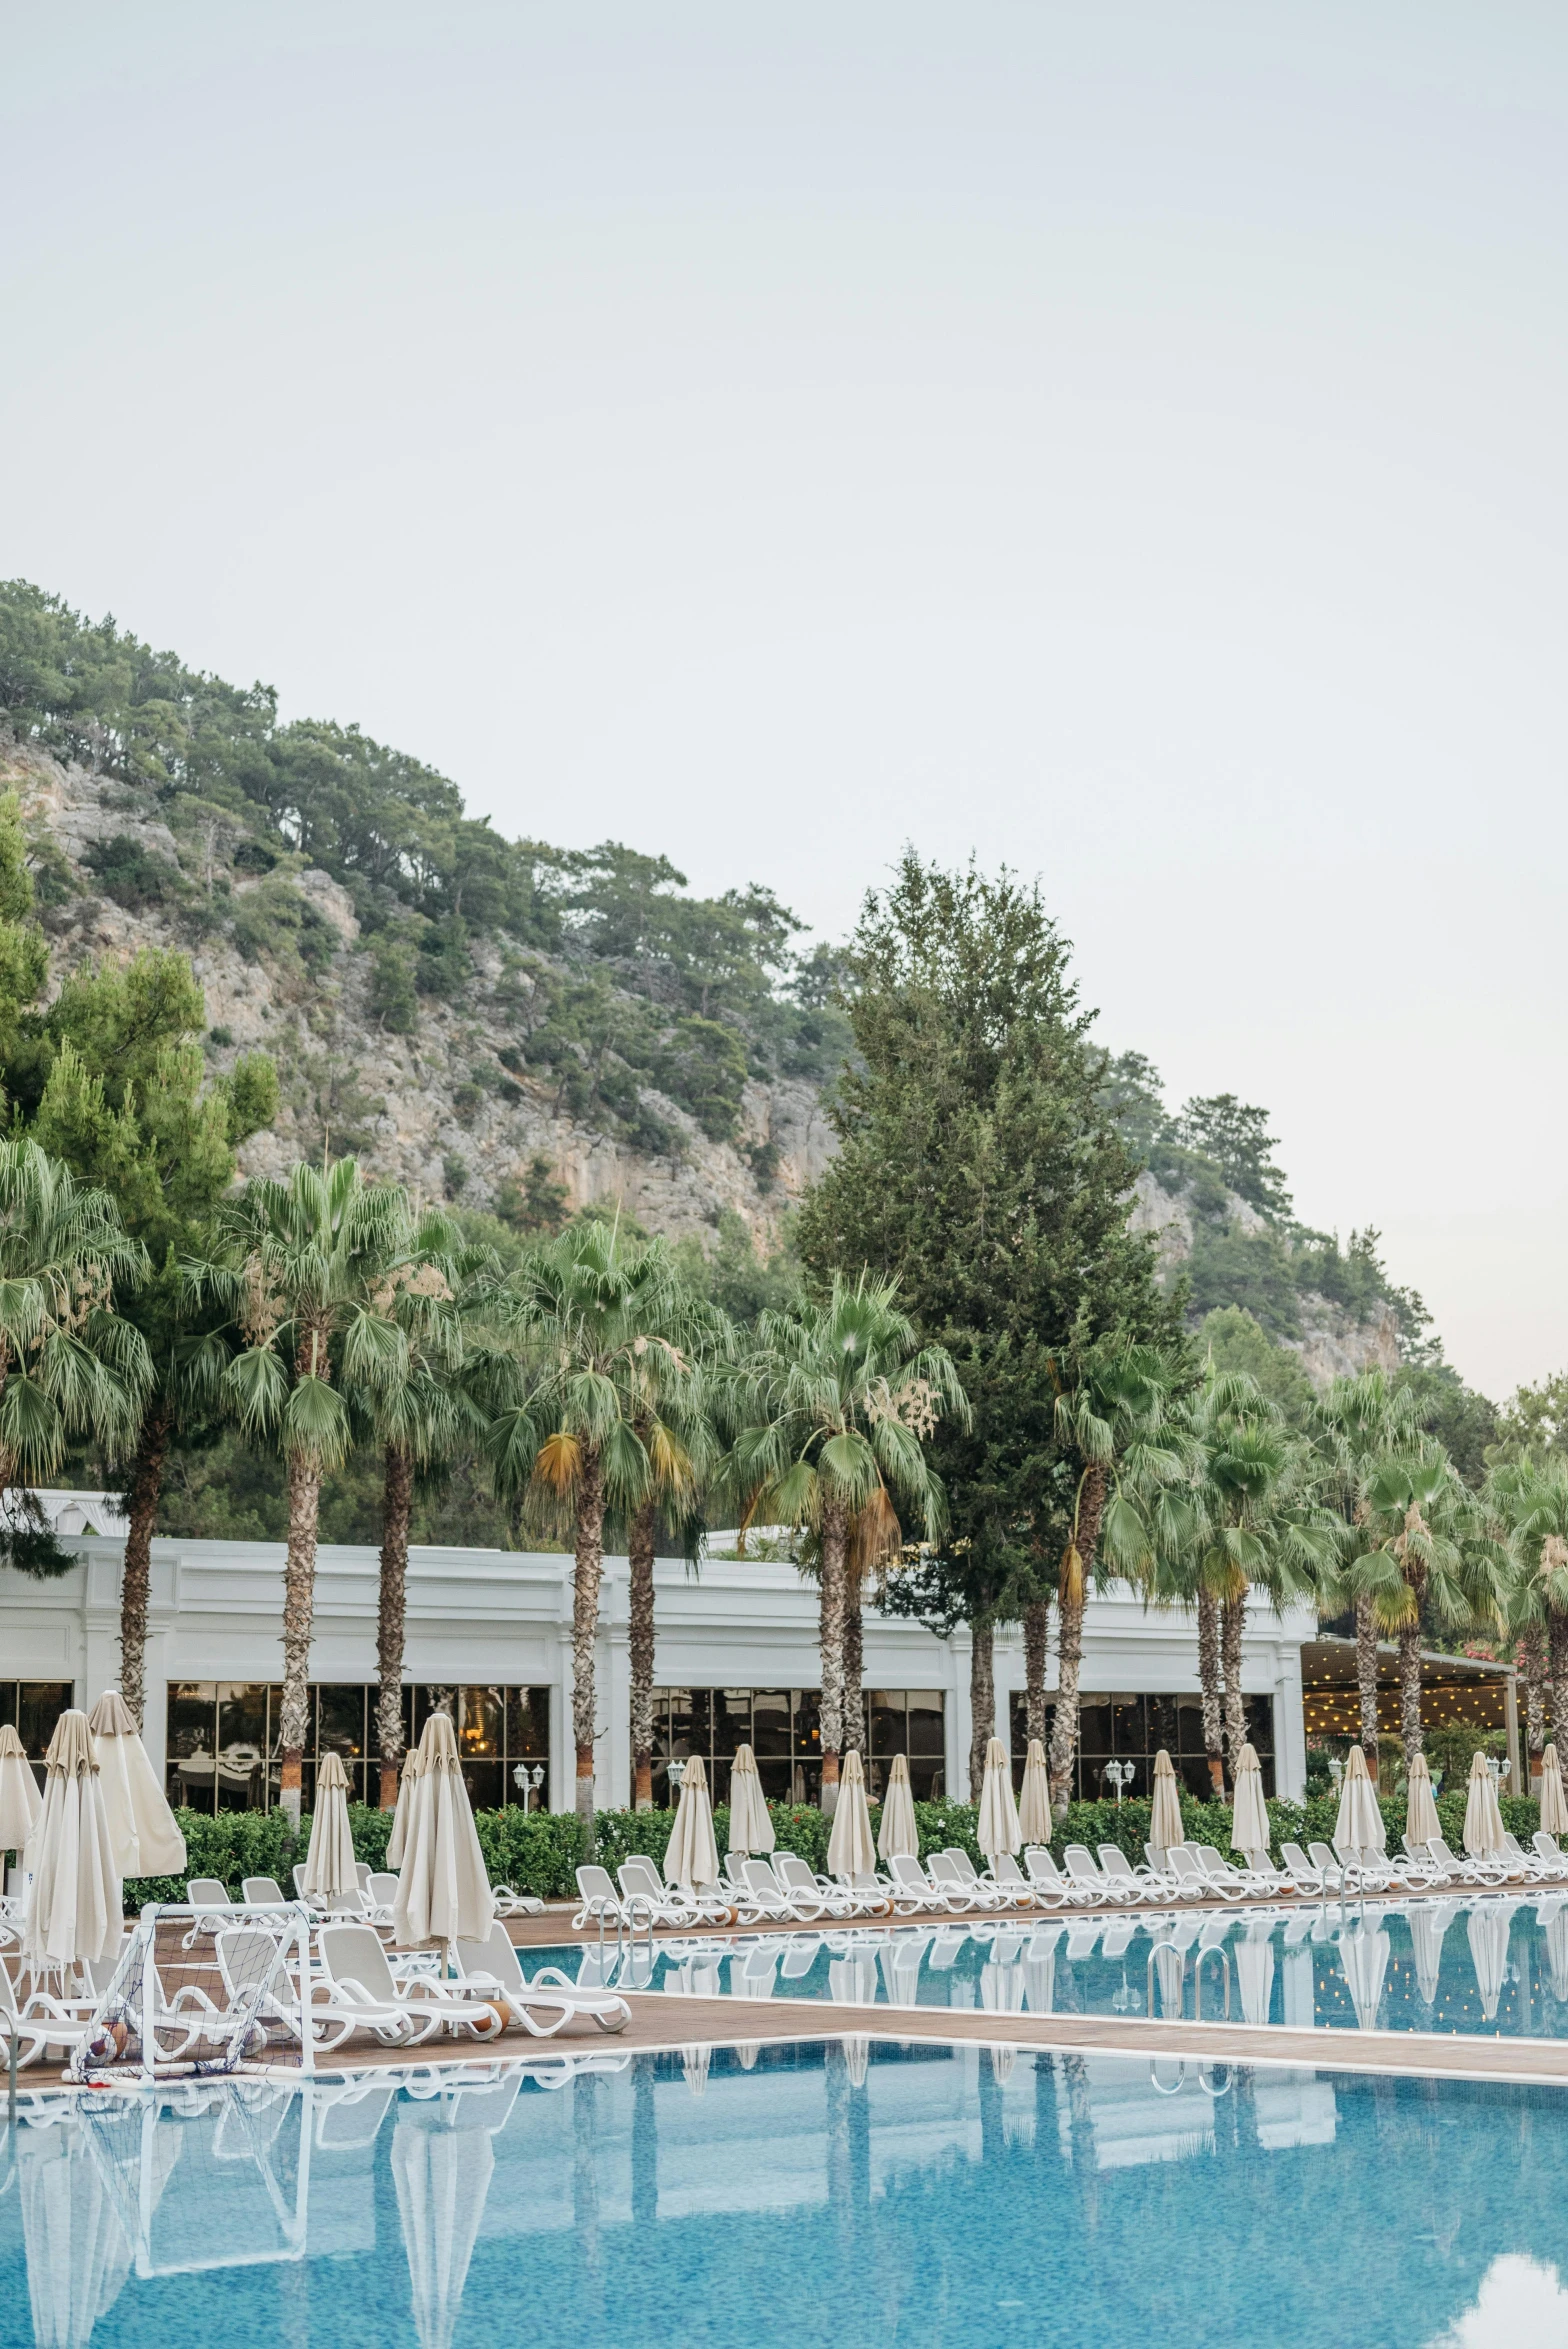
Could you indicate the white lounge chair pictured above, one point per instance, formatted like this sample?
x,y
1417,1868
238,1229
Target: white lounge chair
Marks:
x,y
962,1870
672,1904
492,1965
264,1892
763,1896
1050,1885
801,1882
213,1907
248,1950
358,1982
598,1900
872,1893
914,1890
509,1903
964,1892
1468,1870
41,2022
1012,1880
1083,1869
1548,1852
1145,1883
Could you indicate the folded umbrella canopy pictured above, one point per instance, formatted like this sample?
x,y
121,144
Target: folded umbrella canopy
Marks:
x,y
1554,1804
142,1828
1421,1819
330,1872
1429,1920
1359,1825
1483,1819
74,1910
405,1796
443,1890
1487,1927
851,1850
1034,1800
20,1802
1165,1827
1254,1956
998,1830
692,1858
442,2174
900,1838
1364,1956
751,1829
1249,1828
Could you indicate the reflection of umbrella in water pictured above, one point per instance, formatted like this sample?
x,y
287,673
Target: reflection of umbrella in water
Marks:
x,y
78,2253
857,2056
901,1968
747,2052
1254,1956
1554,1917
442,2175
1487,1929
694,2067
1364,1956
1002,1988
852,1981
1429,1920
1002,2061
1039,1969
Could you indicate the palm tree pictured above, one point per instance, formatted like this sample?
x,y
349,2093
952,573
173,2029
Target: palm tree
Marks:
x,y
420,1412
71,1367
586,1310
1113,1419
840,1404
1421,1548
308,1273
1535,1499
1259,1522
1360,1423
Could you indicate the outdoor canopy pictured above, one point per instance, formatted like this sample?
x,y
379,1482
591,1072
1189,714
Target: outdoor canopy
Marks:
x,y
142,1829
1165,1827
998,1830
1421,1819
19,1798
1249,1830
851,1851
330,1872
899,1839
74,1909
751,1829
443,1889
1034,1802
1554,1804
1483,1819
1359,1825
693,1856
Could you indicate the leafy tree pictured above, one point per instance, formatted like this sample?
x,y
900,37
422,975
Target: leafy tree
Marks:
x,y
1361,1424
1234,1135
304,1274
837,1409
1232,1339
980,1168
1419,1550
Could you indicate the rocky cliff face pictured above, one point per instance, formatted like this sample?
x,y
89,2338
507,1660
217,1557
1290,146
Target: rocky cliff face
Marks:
x,y
408,1103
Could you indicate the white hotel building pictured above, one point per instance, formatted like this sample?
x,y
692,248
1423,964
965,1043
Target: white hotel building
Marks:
x,y
736,1661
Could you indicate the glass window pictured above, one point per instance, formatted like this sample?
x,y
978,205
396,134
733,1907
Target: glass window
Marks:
x,y
1189,1725
480,1719
731,1721
1129,1729
340,1721
528,1724
689,1723
193,1744
925,1722
806,1704
889,1721
39,1706
1094,1727
242,1745
926,1780
9,1693
770,1729
483,1781
775,1777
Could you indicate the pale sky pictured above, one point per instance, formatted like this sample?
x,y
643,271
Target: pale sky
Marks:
x,y
1126,441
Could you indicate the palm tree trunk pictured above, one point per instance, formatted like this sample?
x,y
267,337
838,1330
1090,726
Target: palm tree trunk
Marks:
x,y
1557,1662
1532,1672
1071,1599
141,1515
299,1595
831,1636
585,1628
397,1509
1037,1621
1233,1621
1366,1678
982,1701
639,1554
1211,1683
1409,1694
854,1659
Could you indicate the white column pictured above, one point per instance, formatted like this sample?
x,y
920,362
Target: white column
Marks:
x,y
960,1722
613,1748
563,1752
1290,1733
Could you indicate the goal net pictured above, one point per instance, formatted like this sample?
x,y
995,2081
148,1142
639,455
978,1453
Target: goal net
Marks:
x,y
202,1991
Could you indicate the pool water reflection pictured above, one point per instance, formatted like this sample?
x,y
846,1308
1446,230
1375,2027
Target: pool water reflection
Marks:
x,y
847,2195
1487,1967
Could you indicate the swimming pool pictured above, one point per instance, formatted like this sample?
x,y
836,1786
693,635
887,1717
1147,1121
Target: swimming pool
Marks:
x,y
833,2195
1487,1967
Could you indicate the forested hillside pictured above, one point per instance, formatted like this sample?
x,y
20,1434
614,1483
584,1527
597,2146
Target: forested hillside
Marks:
x,y
529,1031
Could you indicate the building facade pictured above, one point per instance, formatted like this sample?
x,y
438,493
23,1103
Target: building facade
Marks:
x,y
490,1632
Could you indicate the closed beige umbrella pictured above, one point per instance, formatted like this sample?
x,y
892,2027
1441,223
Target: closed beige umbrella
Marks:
x,y
693,1856
1483,1819
1421,1820
144,1832
1554,1804
851,1850
405,1796
74,1910
1487,1928
751,1829
330,1872
443,1891
1359,1825
1249,1827
1034,1800
998,1830
20,1802
1165,1827
900,1838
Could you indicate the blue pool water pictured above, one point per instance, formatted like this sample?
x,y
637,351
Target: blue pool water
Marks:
x,y
1488,1967
839,2195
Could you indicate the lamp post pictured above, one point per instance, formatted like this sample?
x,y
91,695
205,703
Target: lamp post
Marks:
x,y
1120,1774
528,1783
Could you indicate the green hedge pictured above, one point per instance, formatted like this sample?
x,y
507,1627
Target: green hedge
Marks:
x,y
538,1851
